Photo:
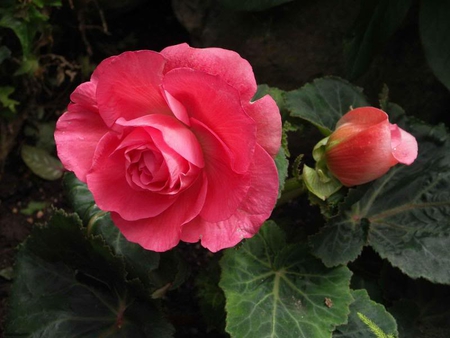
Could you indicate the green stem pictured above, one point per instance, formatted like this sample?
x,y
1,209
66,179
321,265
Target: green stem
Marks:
x,y
293,188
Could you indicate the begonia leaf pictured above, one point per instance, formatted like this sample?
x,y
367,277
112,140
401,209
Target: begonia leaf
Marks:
x,y
42,163
68,284
277,94
377,21
404,215
324,101
282,164
211,298
277,290
434,27
156,271
376,313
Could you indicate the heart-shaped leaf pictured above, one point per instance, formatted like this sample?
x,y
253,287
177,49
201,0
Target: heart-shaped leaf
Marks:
x,y
324,101
277,290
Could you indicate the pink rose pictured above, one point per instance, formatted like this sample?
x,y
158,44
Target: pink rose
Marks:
x,y
365,145
171,144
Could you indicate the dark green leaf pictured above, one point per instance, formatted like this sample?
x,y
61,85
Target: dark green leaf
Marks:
x,y
211,297
155,271
42,163
46,138
5,53
282,166
23,32
377,21
43,3
5,100
277,290
406,213
251,5
324,101
376,313
434,28
32,207
342,240
277,94
69,285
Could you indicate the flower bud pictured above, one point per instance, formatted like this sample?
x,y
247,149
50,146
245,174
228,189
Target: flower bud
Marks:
x,y
365,146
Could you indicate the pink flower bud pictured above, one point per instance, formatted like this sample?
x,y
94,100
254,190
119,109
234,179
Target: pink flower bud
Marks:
x,y
365,146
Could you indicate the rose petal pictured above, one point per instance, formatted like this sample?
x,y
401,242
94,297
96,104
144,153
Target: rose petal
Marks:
x,y
248,218
217,105
405,149
129,86
177,108
175,134
362,117
107,182
267,116
226,188
362,157
162,233
229,66
77,134
85,96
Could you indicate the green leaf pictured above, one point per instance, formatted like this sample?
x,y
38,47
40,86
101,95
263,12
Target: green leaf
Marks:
x,y
376,313
377,21
155,271
434,27
251,5
404,215
32,207
70,285
342,239
42,163
317,186
46,138
324,101
211,296
277,290
277,94
23,32
5,101
43,3
282,164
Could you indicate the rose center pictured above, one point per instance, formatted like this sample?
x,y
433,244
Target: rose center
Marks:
x,y
158,170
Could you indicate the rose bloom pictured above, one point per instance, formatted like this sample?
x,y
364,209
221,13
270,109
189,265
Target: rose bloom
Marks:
x,y
171,144
365,146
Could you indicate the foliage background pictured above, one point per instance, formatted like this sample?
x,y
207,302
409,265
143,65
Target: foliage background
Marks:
x,y
48,47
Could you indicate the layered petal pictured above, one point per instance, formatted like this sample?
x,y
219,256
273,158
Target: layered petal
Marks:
x,y
111,190
217,105
175,134
362,157
267,117
77,134
226,188
129,86
405,148
229,66
84,96
248,218
162,232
